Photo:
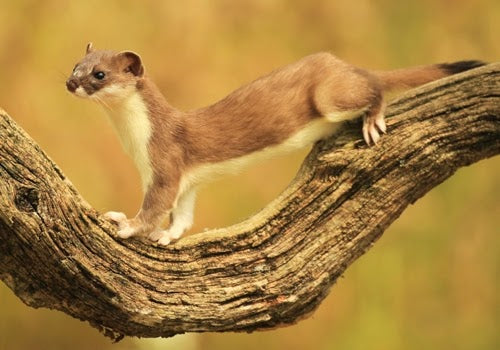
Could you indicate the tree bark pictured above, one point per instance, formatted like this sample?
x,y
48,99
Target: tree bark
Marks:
x,y
56,251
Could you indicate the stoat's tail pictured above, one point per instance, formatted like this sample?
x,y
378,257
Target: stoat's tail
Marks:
x,y
411,77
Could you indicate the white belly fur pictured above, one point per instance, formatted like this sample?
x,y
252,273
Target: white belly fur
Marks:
x,y
313,132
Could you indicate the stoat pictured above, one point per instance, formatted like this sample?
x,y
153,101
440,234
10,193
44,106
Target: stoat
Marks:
x,y
287,109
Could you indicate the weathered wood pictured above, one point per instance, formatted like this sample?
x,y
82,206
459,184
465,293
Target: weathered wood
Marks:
x,y
276,267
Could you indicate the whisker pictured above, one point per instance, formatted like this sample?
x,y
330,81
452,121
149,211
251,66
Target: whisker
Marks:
x,y
101,101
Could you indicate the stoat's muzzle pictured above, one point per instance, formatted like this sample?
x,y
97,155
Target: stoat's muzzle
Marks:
x,y
72,84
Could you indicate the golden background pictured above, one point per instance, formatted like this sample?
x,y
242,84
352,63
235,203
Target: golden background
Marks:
x,y
431,282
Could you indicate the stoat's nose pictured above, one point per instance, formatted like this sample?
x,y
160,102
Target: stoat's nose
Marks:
x,y
71,84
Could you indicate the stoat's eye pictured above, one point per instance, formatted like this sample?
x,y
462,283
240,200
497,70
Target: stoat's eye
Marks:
x,y
99,75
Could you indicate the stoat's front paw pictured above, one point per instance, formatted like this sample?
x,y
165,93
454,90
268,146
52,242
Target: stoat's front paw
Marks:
x,y
115,217
164,237
126,228
165,240
156,235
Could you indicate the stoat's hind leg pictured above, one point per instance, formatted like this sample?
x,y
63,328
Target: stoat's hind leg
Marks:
x,y
347,93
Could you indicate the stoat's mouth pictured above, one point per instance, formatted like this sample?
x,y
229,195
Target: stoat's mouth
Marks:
x,y
80,92
75,88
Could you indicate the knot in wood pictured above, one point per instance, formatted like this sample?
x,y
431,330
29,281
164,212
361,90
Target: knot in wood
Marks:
x,y
26,199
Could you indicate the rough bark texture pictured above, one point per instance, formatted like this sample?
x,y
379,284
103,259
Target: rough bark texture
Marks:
x,y
273,269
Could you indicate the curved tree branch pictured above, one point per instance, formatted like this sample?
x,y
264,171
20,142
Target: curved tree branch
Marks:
x,y
276,267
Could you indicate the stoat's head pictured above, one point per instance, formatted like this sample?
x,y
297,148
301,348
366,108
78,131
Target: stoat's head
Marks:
x,y
106,76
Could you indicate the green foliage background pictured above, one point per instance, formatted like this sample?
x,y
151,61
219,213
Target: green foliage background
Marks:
x,y
431,282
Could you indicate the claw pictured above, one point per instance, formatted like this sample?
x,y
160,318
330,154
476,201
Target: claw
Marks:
x,y
375,136
372,127
366,136
380,123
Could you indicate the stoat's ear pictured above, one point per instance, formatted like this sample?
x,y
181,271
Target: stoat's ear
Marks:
x,y
89,48
132,63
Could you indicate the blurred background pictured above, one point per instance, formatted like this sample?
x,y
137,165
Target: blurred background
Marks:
x,y
432,280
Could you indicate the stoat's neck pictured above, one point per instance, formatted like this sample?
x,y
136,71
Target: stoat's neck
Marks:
x,y
131,120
